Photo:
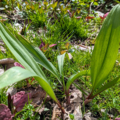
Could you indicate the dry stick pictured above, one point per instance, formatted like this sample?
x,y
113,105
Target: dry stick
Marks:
x,y
99,6
6,61
90,8
103,5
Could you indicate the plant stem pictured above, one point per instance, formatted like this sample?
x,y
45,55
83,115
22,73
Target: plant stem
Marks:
x,y
62,109
67,97
88,99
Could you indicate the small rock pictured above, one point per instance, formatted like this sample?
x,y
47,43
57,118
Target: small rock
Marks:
x,y
20,99
5,113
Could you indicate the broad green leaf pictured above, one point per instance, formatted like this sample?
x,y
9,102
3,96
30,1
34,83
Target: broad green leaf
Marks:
x,y
60,59
75,76
107,85
19,51
16,74
106,48
39,56
24,57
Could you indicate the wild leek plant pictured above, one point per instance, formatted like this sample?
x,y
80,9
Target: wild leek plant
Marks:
x,y
103,56
105,53
31,58
103,59
32,68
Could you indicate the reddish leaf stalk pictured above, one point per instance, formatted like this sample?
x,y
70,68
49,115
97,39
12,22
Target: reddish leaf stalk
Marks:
x,y
62,109
67,96
88,99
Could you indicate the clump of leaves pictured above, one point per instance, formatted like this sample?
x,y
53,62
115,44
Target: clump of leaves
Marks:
x,y
27,112
78,28
36,14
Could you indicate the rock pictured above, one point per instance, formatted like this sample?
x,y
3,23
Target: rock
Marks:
x,y
5,113
11,91
20,99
